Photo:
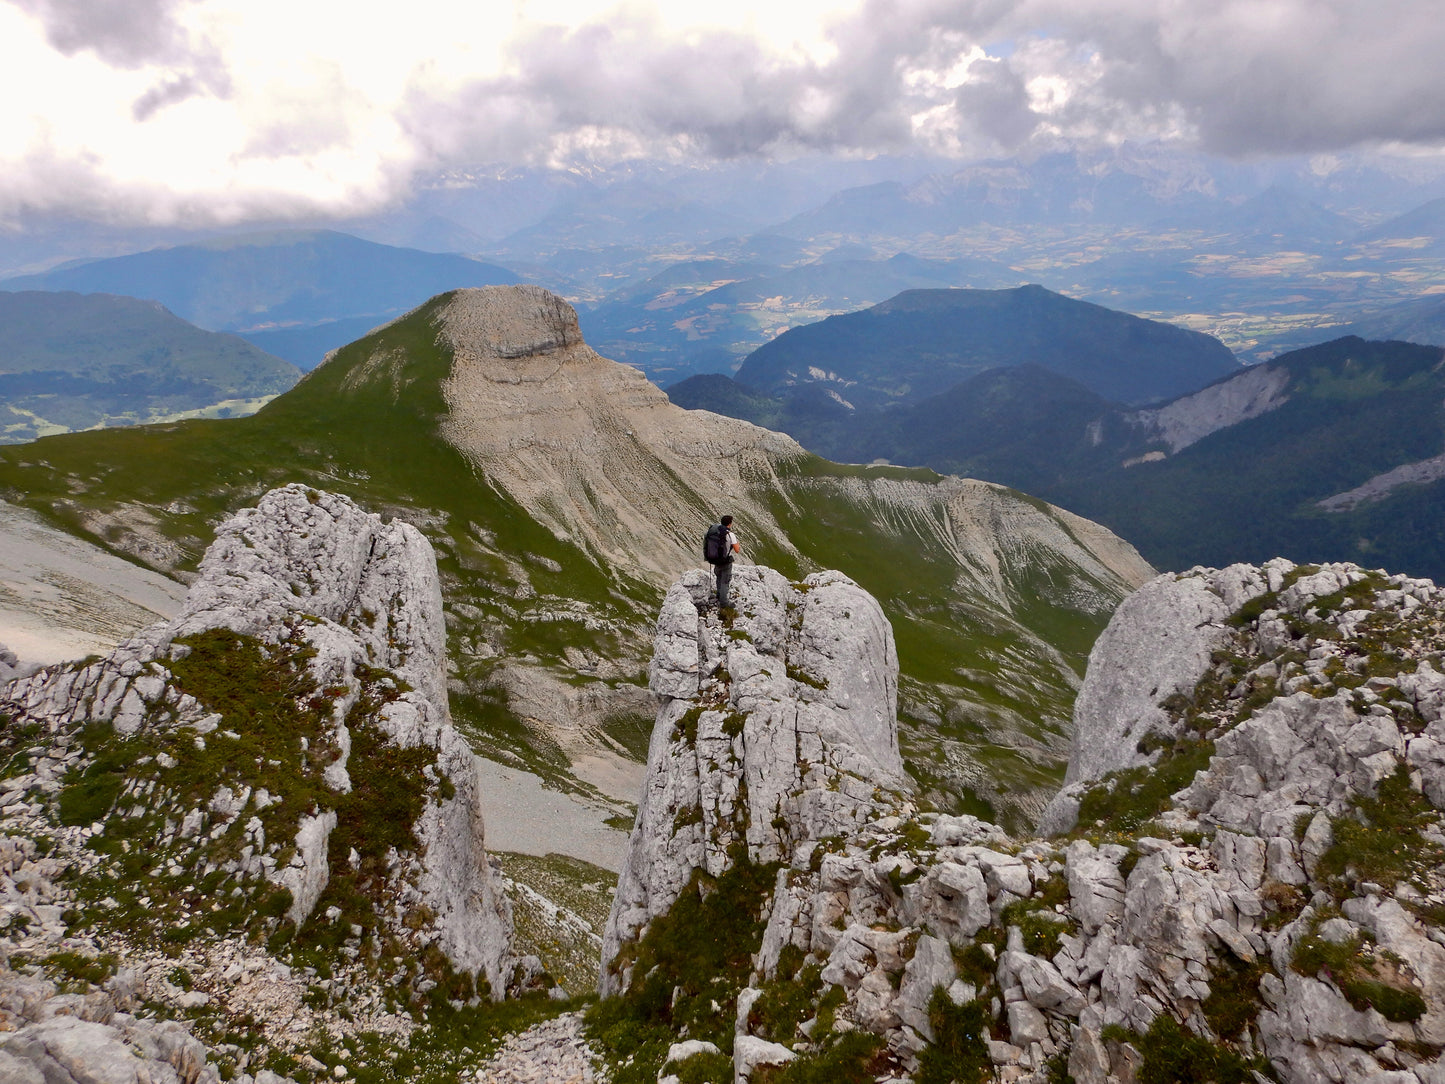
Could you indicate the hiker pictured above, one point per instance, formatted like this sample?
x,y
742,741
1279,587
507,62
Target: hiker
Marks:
x,y
718,548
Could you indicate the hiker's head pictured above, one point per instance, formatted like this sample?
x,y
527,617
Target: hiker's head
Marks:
x,y
727,521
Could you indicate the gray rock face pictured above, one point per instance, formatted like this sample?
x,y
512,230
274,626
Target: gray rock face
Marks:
x,y
287,744
775,731
1310,723
52,1038
1155,648
303,552
310,568
1189,419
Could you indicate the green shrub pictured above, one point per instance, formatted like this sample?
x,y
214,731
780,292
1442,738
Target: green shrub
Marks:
x,y
1040,927
1365,980
77,967
1125,800
92,791
1175,1055
696,956
1382,842
704,1069
801,676
1233,1001
856,1057
786,1001
686,725
959,1051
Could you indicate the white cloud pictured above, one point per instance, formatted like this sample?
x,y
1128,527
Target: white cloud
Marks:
x,y
187,110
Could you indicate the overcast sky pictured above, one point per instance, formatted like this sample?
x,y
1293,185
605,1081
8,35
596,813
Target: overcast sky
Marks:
x,y
213,111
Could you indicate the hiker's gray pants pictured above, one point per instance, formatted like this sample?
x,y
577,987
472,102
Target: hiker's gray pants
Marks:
x,y
724,579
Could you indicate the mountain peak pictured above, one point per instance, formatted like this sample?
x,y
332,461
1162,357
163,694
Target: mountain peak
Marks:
x,y
511,322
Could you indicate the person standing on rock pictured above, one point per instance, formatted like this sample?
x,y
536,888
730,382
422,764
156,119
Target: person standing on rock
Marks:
x,y
718,548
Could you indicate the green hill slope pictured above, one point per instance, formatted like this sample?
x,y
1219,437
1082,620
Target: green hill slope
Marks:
x,y
563,493
1331,453
69,361
1020,425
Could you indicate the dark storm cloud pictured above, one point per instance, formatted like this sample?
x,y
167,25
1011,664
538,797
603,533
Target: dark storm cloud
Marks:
x,y
1263,76
965,78
715,95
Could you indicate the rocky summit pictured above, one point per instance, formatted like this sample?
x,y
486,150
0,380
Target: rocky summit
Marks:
x,y
257,814
1245,879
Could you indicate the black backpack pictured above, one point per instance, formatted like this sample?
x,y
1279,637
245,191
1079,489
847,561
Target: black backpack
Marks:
x,y
714,544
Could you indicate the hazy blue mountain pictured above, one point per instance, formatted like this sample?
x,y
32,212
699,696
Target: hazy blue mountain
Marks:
x,y
72,361
285,279
1426,220
1283,218
923,342
1021,425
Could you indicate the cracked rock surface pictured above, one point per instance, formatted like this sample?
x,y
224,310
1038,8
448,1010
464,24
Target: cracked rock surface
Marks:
x,y
1247,869
275,766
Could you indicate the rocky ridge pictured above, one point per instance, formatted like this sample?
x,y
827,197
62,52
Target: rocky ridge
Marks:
x,y
260,809
1247,874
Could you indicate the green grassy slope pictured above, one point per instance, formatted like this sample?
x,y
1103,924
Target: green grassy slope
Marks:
x,y
1248,492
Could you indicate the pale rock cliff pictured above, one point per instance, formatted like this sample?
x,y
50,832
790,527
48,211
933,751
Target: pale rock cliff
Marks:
x,y
775,730
1156,647
589,446
1190,418
282,746
1260,888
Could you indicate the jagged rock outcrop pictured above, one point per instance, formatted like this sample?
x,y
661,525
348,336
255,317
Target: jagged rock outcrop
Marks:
x,y
777,728
276,761
1253,879
1155,649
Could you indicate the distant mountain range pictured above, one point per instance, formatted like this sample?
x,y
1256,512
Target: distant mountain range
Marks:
x,y
1419,321
72,361
296,293
1332,452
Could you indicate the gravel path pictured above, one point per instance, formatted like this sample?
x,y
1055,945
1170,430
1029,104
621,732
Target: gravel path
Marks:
x,y
554,1052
